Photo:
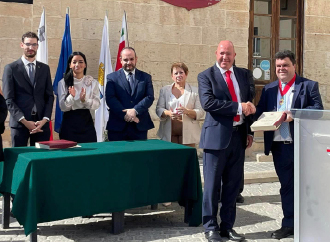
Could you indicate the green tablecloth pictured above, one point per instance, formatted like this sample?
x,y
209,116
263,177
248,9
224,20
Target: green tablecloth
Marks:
x,y
99,178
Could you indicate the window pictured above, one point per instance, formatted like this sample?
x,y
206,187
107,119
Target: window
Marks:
x,y
274,25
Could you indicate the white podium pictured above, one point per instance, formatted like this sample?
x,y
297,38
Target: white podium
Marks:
x,y
311,175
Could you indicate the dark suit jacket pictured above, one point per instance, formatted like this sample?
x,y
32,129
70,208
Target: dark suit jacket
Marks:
x,y
118,98
220,109
3,116
306,96
20,95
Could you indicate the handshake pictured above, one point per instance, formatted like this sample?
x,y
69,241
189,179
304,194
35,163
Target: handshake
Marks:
x,y
248,108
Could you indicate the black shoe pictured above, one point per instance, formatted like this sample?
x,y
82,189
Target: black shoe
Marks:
x,y
232,235
239,198
282,233
213,236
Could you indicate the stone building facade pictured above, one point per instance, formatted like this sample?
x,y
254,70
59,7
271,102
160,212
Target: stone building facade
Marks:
x,y
161,34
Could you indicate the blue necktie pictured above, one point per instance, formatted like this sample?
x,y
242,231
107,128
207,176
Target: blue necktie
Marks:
x,y
284,128
31,73
131,82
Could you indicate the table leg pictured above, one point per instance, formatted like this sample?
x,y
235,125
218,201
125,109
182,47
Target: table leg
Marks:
x,y
5,210
154,206
118,222
34,236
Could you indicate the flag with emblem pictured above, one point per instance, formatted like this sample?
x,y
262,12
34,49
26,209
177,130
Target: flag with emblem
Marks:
x,y
105,68
122,42
42,53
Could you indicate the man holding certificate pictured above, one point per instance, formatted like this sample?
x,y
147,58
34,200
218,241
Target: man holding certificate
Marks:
x,y
289,91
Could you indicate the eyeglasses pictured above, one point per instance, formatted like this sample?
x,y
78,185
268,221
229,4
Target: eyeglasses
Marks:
x,y
33,45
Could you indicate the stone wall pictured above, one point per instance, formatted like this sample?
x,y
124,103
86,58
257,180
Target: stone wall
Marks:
x,y
161,34
317,46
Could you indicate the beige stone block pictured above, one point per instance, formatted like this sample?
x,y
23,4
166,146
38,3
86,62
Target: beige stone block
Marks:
x,y
157,86
239,37
146,13
238,5
317,24
215,16
6,138
14,27
4,61
326,106
89,9
236,20
194,53
317,42
194,70
54,47
10,48
55,27
53,64
327,94
73,8
126,6
317,70
149,51
154,33
90,48
170,15
76,31
92,28
241,55
157,70
52,8
210,35
93,67
191,35
15,9
115,33
323,91
212,50
317,7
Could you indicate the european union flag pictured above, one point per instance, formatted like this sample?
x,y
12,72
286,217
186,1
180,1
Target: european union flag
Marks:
x,y
66,50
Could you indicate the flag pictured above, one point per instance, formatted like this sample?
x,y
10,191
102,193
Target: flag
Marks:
x,y
105,68
66,50
122,41
42,53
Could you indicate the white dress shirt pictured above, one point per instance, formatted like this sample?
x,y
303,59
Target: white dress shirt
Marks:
x,y
288,104
237,92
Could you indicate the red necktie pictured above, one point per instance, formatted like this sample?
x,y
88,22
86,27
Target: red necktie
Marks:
x,y
232,91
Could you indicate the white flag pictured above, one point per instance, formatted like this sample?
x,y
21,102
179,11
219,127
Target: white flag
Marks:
x,y
42,53
105,68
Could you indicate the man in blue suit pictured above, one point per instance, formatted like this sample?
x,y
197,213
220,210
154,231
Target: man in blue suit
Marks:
x,y
289,91
224,92
129,94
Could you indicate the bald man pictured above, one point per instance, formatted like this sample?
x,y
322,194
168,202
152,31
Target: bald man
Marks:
x,y
225,95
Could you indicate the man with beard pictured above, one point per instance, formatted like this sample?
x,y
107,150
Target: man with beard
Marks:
x,y
27,88
129,94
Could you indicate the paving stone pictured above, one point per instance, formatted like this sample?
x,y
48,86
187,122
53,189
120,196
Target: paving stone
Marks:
x,y
257,217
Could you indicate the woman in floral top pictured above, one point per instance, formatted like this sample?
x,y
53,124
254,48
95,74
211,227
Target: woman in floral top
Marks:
x,y
79,97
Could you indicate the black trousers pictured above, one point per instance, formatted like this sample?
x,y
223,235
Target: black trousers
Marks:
x,y
129,133
227,166
21,136
283,156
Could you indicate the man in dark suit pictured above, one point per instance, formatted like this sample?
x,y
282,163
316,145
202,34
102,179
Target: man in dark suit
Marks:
x,y
27,88
224,92
289,91
129,94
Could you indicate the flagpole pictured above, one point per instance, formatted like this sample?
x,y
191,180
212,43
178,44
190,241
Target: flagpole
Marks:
x,y
126,29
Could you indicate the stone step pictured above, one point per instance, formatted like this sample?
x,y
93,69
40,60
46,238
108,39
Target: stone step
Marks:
x,y
254,172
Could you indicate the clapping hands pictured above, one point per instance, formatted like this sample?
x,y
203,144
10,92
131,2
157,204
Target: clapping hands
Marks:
x,y
248,108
